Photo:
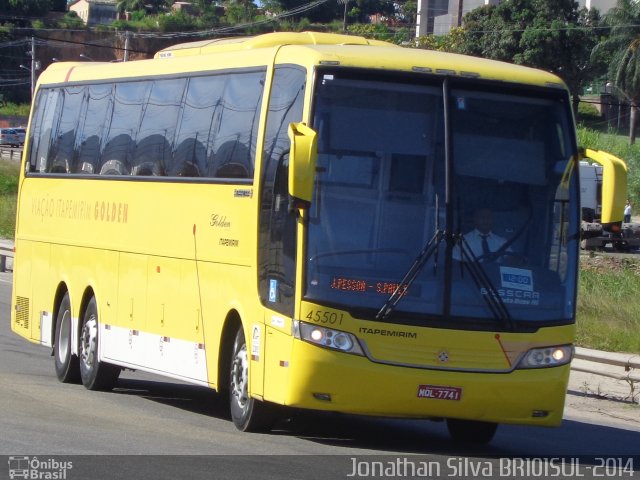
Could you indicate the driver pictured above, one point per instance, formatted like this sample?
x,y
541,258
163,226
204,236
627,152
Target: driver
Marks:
x,y
482,241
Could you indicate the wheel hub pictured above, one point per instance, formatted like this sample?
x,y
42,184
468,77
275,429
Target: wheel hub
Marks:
x,y
88,342
239,375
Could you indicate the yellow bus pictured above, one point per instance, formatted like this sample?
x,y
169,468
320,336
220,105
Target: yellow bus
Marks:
x,y
288,219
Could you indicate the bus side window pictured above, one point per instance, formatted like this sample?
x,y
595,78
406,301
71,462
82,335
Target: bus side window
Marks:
x,y
235,126
114,156
47,109
61,162
187,158
276,262
63,140
88,151
230,160
151,154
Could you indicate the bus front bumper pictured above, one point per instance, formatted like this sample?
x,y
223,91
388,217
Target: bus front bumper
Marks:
x,y
322,379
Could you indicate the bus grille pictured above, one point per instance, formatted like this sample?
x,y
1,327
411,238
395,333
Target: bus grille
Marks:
x,y
22,312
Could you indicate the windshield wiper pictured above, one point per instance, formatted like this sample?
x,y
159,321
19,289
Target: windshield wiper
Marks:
x,y
410,276
482,280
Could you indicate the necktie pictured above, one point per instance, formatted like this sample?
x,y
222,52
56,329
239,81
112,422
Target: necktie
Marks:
x,y
485,245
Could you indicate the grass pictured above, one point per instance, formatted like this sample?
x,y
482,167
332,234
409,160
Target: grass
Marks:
x,y
608,303
9,172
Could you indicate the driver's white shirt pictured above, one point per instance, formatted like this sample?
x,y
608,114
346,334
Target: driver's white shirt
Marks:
x,y
474,241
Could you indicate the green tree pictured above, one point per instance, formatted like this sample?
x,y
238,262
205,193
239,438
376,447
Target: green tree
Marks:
x,y
70,21
408,11
621,50
129,5
240,11
29,8
553,35
451,42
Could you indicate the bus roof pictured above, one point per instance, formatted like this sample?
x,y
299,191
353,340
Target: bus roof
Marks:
x,y
307,49
219,45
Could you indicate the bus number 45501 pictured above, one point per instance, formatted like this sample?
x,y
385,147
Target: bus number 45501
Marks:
x,y
321,316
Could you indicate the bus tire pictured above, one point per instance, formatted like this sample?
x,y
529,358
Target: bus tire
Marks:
x,y
66,363
471,431
95,375
248,414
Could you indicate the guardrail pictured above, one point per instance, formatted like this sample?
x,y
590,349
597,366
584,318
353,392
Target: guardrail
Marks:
x,y
628,363
624,367
14,154
5,252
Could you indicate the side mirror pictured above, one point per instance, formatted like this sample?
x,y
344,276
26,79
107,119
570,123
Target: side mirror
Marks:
x,y
302,164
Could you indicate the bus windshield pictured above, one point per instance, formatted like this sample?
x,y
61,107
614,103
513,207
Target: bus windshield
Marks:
x,y
496,243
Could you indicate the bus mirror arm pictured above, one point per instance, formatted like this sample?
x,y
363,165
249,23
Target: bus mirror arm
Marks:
x,y
296,204
302,165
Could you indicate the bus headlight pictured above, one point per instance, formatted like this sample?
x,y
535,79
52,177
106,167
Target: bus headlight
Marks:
x,y
547,357
327,337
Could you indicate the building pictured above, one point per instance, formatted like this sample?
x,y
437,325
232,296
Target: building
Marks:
x,y
603,5
438,17
95,12
186,7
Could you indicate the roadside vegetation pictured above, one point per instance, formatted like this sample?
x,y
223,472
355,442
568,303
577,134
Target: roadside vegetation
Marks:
x,y
9,171
608,303
14,109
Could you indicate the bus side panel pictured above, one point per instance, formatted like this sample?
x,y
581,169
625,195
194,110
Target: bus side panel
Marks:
x,y
226,291
175,342
278,350
21,317
123,342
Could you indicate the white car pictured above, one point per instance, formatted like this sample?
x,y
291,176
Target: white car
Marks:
x,y
8,136
21,134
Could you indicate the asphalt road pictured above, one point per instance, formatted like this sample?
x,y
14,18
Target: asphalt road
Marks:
x,y
151,427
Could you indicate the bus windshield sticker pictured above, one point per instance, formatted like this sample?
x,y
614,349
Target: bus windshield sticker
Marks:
x,y
273,290
516,278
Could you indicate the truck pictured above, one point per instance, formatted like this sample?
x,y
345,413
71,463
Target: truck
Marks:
x,y
603,193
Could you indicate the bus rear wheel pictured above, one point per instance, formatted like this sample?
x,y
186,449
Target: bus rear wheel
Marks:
x,y
95,375
471,431
66,363
248,414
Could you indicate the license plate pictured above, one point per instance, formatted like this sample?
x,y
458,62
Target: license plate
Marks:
x,y
439,393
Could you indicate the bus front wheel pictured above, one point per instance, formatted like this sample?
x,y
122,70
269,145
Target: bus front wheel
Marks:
x,y
95,375
248,414
66,363
471,431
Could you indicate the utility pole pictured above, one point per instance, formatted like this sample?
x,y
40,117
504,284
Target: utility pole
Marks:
x,y
460,9
344,18
127,37
33,66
